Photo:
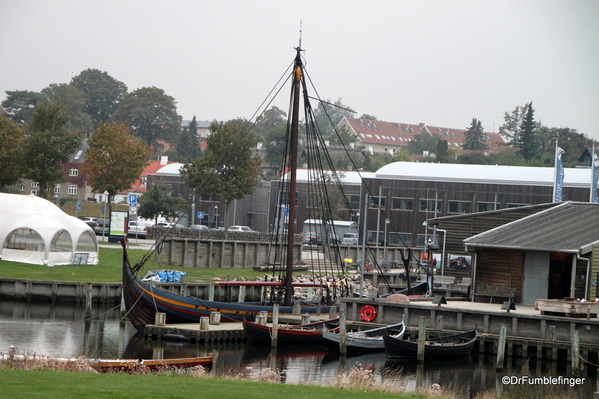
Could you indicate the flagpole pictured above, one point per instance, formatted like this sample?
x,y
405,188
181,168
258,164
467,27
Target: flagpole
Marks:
x,y
555,172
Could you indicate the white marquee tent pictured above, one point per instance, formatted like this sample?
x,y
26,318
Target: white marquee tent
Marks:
x,y
34,230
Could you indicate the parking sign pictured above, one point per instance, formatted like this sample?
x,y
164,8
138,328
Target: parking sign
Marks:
x,y
132,199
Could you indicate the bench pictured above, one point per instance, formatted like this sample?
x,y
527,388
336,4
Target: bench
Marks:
x,y
493,292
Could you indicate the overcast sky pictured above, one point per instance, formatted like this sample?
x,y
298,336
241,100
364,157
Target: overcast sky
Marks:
x,y
437,62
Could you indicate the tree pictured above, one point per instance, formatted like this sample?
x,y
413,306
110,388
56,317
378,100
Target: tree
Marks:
x,y
443,151
103,93
20,105
510,130
527,142
115,159
328,115
270,119
48,147
188,147
423,142
475,136
151,115
73,100
158,201
369,117
11,137
275,145
228,170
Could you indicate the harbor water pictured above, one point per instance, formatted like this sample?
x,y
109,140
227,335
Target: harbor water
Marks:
x,y
66,330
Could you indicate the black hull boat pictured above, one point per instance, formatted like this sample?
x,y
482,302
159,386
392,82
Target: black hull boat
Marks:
x,y
450,346
364,341
289,335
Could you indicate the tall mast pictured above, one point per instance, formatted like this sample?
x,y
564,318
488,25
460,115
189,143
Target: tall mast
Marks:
x,y
296,84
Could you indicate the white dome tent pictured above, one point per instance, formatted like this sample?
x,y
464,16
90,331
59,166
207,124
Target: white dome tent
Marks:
x,y
34,230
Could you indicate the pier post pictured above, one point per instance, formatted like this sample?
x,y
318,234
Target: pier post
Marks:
x,y
204,321
241,297
343,329
305,318
160,319
297,308
501,347
211,292
421,339
275,325
261,320
575,353
215,318
439,323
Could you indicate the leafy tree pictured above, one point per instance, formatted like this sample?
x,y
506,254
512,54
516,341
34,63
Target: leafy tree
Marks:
x,y
343,136
20,105
188,147
328,115
369,117
158,201
403,155
151,115
115,159
275,144
103,93
423,142
527,143
270,119
475,136
48,146
73,100
228,170
11,137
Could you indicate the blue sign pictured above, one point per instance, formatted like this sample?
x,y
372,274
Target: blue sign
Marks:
x,y
200,215
133,199
78,206
286,209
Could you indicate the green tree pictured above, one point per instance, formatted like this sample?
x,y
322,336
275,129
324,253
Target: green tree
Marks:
x,y
270,119
115,159
11,137
475,136
188,147
422,143
510,130
20,105
228,170
443,151
328,115
48,147
73,100
369,117
103,93
151,115
275,145
158,201
527,142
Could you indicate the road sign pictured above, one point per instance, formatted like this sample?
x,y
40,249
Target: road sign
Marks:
x,y
133,199
78,207
200,215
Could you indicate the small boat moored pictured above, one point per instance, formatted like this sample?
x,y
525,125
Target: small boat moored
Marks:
x,y
364,341
455,345
132,365
295,334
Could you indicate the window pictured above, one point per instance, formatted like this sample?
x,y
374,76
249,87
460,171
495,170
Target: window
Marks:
x,y
375,202
402,204
57,189
33,192
486,206
23,187
144,181
428,205
459,207
73,172
404,239
35,184
354,202
72,190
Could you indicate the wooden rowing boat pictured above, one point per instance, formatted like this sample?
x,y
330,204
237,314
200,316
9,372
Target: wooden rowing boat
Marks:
x,y
294,335
449,346
364,341
132,365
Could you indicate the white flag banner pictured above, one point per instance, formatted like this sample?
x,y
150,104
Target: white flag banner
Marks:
x,y
594,177
559,176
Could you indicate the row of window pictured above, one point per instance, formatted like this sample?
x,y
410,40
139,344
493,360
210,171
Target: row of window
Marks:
x,y
428,205
71,188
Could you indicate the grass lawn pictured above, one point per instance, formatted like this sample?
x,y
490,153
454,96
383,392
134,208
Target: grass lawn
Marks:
x,y
62,384
109,269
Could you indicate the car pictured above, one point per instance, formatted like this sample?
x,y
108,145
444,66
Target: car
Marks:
x,y
169,225
103,227
349,239
242,229
311,238
138,229
199,227
91,222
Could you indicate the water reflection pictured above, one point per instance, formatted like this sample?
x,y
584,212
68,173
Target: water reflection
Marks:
x,y
67,330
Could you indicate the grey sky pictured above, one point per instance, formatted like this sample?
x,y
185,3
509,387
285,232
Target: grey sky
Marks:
x,y
437,62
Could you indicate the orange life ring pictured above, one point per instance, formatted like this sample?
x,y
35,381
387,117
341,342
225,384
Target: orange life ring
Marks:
x,y
368,313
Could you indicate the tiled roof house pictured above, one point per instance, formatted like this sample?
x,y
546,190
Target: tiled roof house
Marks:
x,y
380,137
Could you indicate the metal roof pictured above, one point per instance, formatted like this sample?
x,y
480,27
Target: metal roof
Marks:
x,y
494,174
568,227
